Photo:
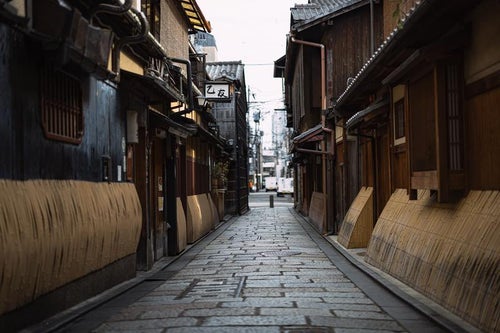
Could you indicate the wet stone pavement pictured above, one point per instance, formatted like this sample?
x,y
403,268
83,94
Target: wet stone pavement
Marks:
x,y
266,271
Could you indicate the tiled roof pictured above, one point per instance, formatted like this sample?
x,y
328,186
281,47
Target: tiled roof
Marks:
x,y
426,22
231,70
316,9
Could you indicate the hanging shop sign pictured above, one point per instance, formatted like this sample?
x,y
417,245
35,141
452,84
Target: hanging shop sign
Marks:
x,y
217,91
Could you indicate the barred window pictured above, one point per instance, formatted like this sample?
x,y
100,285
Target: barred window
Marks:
x,y
151,9
61,106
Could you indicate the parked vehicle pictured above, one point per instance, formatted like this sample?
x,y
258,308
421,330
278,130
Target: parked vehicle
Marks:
x,y
285,186
270,183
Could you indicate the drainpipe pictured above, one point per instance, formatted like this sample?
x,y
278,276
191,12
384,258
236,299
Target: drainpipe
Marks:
x,y
190,85
119,10
323,120
111,9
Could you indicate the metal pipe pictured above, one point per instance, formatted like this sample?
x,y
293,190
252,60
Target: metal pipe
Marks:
x,y
323,65
190,82
126,8
111,9
311,151
323,118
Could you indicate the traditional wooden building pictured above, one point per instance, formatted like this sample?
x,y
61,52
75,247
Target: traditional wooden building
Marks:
x,y
101,130
328,41
168,162
425,111
231,114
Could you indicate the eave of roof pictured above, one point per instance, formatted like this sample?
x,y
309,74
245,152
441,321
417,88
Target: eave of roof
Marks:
x,y
226,70
313,131
357,118
403,41
195,16
279,67
326,10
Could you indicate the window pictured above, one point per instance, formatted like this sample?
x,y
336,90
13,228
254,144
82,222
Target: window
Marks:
x,y
151,9
399,119
454,117
399,102
61,106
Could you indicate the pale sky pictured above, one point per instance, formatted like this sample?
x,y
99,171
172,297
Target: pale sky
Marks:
x,y
255,33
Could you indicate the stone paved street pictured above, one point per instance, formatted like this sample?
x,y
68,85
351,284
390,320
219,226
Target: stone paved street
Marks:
x,y
266,271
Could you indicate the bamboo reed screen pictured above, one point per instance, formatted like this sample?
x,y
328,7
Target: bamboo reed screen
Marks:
x,y
54,231
357,226
317,211
181,227
450,253
200,217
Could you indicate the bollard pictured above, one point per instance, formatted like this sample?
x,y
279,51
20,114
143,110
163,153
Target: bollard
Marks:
x,y
271,201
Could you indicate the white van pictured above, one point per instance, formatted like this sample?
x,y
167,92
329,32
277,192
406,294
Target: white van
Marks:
x,y
285,186
270,183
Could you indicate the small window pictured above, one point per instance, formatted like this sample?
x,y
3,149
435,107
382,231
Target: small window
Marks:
x,y
399,122
151,9
61,106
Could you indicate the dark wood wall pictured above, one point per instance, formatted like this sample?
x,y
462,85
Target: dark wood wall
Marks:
x,y
347,41
421,102
26,152
483,140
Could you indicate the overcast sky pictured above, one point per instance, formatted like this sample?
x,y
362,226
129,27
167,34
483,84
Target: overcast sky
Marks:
x,y
255,33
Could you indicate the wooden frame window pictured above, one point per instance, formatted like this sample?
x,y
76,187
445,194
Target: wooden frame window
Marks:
x,y
454,117
399,106
61,106
399,120
151,9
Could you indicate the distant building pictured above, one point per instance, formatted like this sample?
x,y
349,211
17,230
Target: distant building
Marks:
x,y
205,43
231,116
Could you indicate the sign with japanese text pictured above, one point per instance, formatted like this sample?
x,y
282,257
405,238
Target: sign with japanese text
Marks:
x,y
217,91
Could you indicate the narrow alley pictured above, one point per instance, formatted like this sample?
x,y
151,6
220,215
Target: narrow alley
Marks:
x,y
265,271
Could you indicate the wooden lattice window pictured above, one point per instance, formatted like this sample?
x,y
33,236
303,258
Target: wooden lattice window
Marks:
x,y
454,115
61,106
399,120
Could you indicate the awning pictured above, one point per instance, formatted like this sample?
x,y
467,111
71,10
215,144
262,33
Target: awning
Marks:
x,y
149,83
160,120
309,135
314,134
359,117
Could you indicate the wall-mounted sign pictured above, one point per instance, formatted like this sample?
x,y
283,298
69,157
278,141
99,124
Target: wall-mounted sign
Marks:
x,y
217,91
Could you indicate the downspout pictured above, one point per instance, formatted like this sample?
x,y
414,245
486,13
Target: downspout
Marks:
x,y
119,10
190,85
323,120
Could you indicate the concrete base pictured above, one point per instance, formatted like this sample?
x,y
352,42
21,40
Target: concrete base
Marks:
x,y
69,295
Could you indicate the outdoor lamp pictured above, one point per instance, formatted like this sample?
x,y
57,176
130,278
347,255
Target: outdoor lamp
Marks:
x,y
202,101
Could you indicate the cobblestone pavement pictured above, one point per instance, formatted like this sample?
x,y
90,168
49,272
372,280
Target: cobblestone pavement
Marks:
x,y
266,271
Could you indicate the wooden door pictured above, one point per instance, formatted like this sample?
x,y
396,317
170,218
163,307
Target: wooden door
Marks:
x,y
383,168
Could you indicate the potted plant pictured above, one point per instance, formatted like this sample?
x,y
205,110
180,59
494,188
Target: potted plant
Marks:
x,y
220,172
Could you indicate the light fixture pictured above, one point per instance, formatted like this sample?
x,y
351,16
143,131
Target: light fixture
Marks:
x,y
202,101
